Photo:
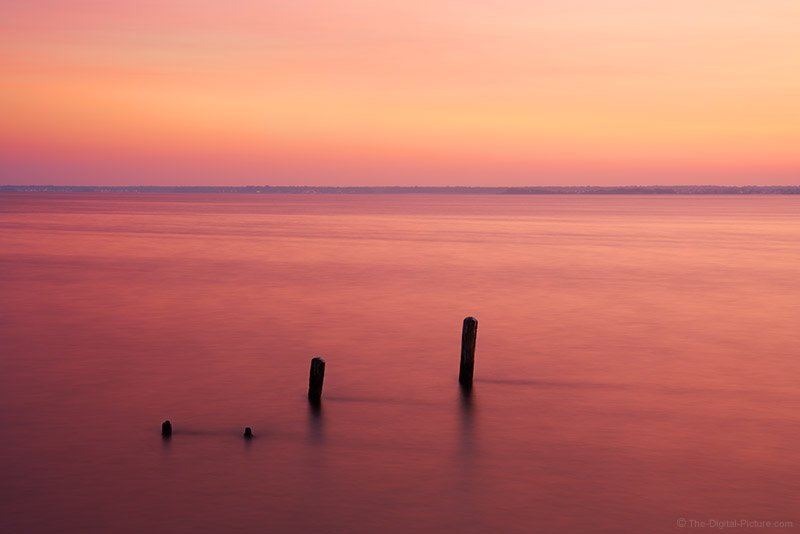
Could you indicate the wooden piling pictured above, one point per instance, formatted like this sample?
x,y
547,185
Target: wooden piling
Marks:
x,y
316,376
469,334
248,433
166,429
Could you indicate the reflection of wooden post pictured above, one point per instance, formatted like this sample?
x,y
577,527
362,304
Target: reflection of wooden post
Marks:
x,y
315,379
468,336
166,429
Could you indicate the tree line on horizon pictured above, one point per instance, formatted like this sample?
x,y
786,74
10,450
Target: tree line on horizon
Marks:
x,y
476,190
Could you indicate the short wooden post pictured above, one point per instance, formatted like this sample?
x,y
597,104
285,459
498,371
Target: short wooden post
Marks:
x,y
166,429
469,334
248,433
316,376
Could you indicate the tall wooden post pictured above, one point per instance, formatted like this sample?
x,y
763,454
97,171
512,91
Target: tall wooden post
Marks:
x,y
469,334
315,378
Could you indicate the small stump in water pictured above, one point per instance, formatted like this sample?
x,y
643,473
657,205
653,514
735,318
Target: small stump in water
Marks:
x,y
469,333
248,433
316,376
166,429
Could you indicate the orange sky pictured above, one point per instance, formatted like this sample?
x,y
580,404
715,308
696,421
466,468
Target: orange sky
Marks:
x,y
435,92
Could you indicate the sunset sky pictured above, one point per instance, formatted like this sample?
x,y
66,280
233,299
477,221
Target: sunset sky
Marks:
x,y
434,92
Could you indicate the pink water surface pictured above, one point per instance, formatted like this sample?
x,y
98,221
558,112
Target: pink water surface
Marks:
x,y
637,363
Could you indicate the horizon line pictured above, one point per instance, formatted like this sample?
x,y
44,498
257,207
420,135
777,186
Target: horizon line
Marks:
x,y
405,186
410,189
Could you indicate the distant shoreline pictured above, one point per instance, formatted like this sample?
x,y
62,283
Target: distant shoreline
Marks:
x,y
395,190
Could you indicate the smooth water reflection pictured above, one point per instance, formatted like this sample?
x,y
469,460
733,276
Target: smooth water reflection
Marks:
x,y
636,362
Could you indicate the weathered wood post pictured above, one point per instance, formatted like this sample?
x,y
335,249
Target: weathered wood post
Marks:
x,y
248,432
315,378
469,334
166,429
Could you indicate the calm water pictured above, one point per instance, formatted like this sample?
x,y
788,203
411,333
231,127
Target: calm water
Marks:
x,y
638,362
